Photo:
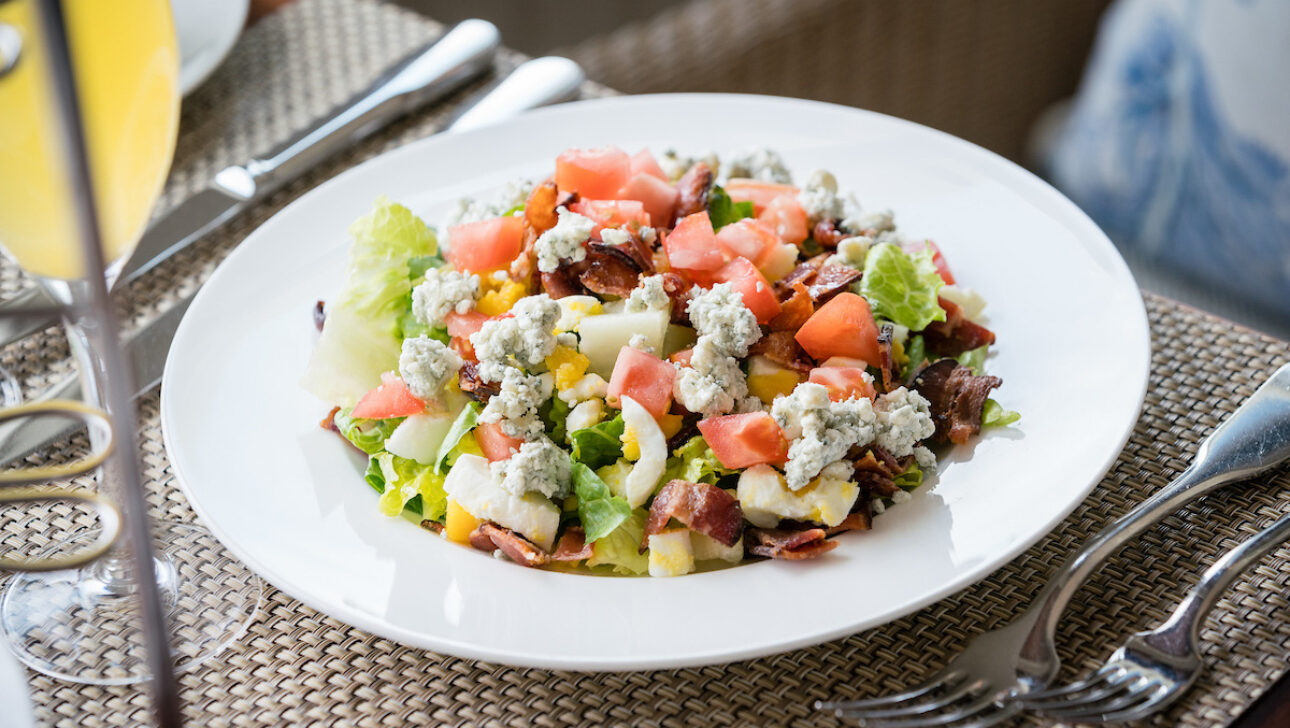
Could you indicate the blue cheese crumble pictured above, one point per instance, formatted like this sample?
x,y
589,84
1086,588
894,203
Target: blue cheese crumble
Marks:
x,y
442,292
540,466
648,295
565,241
615,236
759,163
426,365
515,406
713,383
904,418
851,252
821,431
524,340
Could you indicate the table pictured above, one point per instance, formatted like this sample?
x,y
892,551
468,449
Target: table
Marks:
x,y
296,666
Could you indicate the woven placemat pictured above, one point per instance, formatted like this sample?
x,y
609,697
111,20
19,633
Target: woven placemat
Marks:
x,y
296,666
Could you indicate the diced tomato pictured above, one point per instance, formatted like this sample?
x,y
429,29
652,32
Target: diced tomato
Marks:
x,y
497,445
681,357
938,258
460,327
741,441
751,238
612,213
842,327
844,361
390,399
760,193
485,245
692,244
787,218
843,382
595,174
643,377
757,292
643,162
656,195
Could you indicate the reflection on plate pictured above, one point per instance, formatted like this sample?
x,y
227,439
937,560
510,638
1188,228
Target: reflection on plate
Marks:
x,y
289,499
206,31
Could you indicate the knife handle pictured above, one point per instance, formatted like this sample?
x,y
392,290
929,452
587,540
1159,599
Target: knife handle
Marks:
x,y
464,52
535,83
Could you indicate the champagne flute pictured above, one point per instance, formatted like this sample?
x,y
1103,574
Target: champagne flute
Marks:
x,y
84,625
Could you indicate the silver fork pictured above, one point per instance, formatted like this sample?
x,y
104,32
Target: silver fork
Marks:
x,y
1021,657
1153,669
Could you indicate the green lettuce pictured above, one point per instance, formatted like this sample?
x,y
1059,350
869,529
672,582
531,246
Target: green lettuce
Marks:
x,y
722,210
974,359
363,333
915,354
367,435
600,444
621,548
599,510
994,415
405,480
465,422
694,461
911,478
902,288
554,412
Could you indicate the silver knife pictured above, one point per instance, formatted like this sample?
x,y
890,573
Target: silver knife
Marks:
x,y
535,83
445,65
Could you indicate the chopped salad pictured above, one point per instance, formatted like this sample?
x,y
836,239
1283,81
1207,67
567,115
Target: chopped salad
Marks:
x,y
650,365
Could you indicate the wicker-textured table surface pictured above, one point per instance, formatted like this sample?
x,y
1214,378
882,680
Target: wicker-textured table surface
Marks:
x,y
296,666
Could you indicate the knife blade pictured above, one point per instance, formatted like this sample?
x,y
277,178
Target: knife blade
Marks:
x,y
534,83
463,53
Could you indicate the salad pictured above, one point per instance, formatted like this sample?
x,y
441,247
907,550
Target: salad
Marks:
x,y
650,365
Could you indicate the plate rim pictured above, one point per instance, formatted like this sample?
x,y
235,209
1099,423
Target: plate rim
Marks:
x,y
967,577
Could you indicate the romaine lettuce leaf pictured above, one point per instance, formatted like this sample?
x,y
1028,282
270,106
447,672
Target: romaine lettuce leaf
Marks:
x,y
974,359
994,415
599,510
465,422
598,445
723,211
902,288
405,480
694,461
916,354
554,412
621,548
361,338
367,435
911,478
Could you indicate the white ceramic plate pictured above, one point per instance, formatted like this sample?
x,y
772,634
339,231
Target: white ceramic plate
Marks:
x,y
206,32
289,498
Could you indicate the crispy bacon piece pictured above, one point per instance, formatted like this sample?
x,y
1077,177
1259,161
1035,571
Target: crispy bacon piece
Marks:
x,y
693,187
562,282
678,290
957,398
610,270
573,546
524,265
804,273
329,422
778,543
796,308
955,334
432,526
320,315
566,198
490,536
828,234
539,210
704,508
890,374
781,348
689,428
829,281
876,483
860,520
640,253
474,387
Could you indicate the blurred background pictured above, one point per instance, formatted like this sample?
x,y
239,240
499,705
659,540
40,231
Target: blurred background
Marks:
x,y
1163,119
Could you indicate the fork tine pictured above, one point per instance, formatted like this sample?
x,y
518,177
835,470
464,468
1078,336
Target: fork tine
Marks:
x,y
908,711
1139,691
1155,701
1035,697
1109,688
972,710
936,681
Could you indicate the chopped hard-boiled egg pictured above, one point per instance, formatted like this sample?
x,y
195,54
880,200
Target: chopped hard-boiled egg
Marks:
x,y
474,487
768,380
499,300
567,365
631,444
643,479
670,553
707,548
458,524
765,498
574,308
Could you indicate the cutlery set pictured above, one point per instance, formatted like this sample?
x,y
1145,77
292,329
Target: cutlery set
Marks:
x,y
1011,669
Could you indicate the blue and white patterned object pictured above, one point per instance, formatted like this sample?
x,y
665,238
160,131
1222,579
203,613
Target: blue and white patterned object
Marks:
x,y
1178,142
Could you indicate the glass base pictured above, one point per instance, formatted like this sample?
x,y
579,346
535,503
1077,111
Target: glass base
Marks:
x,y
82,625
